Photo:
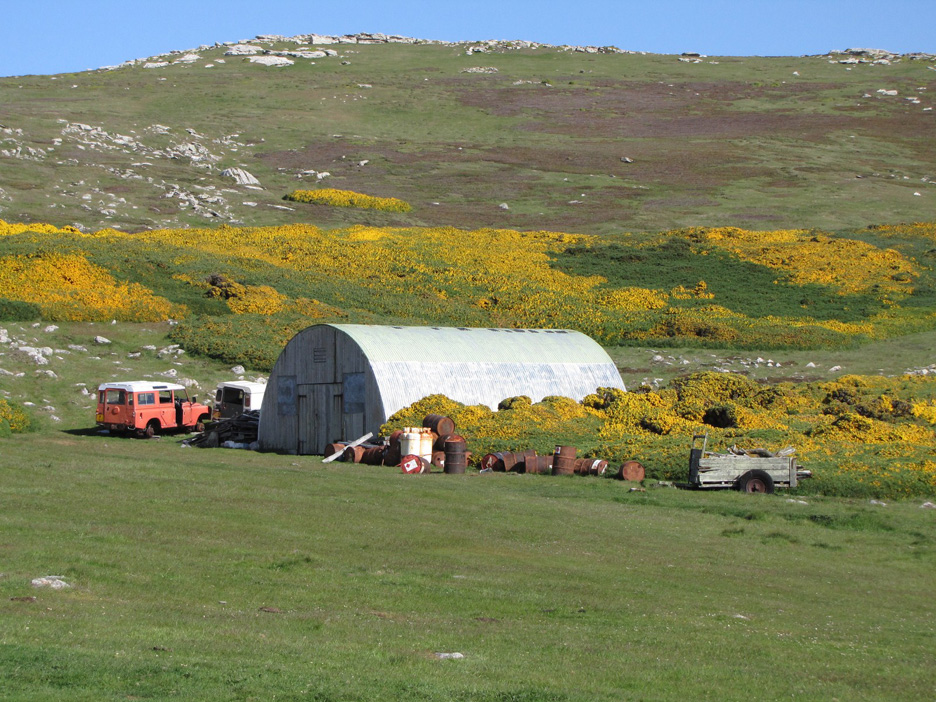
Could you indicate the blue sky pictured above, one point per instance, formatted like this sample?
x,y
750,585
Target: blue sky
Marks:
x,y
59,36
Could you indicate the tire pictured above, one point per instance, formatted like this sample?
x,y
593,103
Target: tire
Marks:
x,y
200,424
756,481
151,430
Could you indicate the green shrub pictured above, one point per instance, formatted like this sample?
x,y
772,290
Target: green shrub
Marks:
x,y
16,311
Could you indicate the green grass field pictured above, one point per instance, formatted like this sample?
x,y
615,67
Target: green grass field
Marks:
x,y
230,575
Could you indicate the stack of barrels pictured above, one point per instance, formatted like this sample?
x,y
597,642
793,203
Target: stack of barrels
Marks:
x,y
450,451
435,444
413,449
561,462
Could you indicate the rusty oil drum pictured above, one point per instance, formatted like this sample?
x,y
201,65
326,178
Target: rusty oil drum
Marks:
x,y
440,424
392,455
412,464
493,461
542,465
334,447
353,454
631,470
594,466
521,465
373,456
456,456
563,462
511,462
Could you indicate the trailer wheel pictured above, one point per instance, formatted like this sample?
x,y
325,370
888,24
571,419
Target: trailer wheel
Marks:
x,y
756,481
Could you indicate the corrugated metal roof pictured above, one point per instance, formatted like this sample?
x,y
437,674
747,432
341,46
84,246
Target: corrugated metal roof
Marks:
x,y
474,345
481,366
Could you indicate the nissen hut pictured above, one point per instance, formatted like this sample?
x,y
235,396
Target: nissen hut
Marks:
x,y
339,381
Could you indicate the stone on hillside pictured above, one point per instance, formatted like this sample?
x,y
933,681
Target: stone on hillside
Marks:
x,y
38,355
156,64
243,50
101,341
240,176
238,370
319,39
271,60
187,58
55,582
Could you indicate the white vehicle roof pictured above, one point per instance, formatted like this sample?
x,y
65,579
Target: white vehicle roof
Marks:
x,y
140,386
243,385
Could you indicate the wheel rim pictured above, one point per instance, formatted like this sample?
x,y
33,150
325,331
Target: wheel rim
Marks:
x,y
755,485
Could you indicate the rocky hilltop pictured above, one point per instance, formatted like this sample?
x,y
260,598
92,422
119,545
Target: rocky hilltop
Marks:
x,y
479,133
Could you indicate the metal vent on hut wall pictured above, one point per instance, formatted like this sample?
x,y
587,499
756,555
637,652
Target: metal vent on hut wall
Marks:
x,y
318,355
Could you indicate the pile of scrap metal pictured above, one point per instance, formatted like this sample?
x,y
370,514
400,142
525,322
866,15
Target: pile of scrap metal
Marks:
x,y
239,431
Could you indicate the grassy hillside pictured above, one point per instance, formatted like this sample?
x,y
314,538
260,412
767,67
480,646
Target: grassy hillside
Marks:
x,y
569,141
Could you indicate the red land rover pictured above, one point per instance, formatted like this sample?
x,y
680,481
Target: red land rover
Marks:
x,y
148,408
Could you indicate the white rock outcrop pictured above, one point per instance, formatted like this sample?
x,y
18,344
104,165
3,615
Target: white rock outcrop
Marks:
x,y
240,176
272,60
243,50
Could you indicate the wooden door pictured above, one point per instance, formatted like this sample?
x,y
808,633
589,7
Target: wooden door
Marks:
x,y
319,418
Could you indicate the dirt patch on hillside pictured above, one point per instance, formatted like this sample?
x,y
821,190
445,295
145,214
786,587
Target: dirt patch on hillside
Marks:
x,y
637,110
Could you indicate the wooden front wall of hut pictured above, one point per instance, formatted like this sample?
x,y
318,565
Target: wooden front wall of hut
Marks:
x,y
338,381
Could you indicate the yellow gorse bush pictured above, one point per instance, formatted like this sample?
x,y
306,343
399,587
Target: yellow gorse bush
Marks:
x,y
486,277
14,416
656,426
10,229
69,287
846,265
349,198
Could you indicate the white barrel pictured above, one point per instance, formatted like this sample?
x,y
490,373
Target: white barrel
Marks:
x,y
425,444
410,443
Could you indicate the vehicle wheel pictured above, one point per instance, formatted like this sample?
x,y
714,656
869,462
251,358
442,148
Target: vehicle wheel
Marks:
x,y
150,430
200,425
756,481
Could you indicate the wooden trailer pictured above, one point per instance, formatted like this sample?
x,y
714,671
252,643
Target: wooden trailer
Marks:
x,y
756,471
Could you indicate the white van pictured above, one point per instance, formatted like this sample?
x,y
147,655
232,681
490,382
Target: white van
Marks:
x,y
236,397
